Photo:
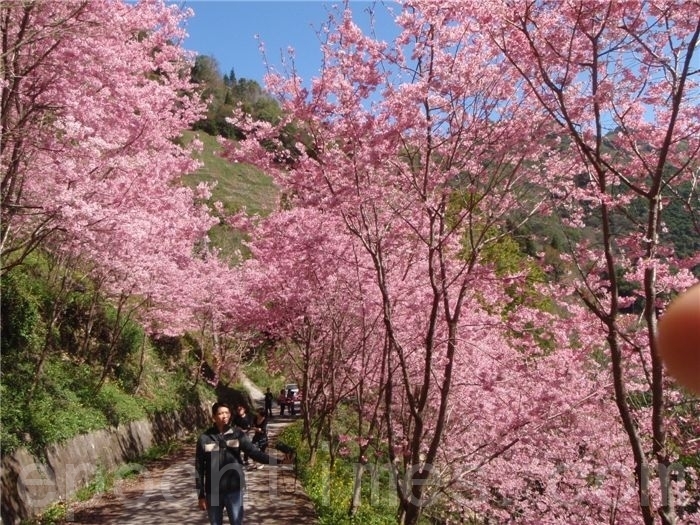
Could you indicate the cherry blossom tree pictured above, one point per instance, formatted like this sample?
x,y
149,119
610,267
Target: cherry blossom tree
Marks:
x,y
621,81
433,152
312,295
301,282
95,96
421,157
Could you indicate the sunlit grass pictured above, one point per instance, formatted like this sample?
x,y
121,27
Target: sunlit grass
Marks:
x,y
239,186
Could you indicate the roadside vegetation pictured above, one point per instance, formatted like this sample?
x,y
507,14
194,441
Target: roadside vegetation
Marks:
x,y
329,478
61,379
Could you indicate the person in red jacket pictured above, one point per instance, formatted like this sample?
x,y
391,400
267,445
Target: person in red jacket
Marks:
x,y
282,401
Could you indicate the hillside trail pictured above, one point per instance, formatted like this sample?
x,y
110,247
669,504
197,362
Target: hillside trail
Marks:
x,y
164,491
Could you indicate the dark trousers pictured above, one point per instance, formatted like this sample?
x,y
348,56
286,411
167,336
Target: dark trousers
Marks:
x,y
232,502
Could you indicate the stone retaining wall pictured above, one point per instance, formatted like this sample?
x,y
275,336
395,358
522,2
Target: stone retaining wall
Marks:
x,y
29,485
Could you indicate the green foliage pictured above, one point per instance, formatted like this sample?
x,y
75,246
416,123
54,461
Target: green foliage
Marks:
x,y
131,338
118,407
330,489
152,454
259,373
53,515
118,336
100,482
225,93
13,417
62,407
55,422
23,329
51,393
507,257
291,435
238,186
66,403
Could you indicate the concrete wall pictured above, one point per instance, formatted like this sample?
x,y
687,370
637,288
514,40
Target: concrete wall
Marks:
x,y
30,485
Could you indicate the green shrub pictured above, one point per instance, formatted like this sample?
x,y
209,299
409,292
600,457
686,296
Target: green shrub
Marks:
x,y
55,419
55,514
331,489
23,329
67,402
331,492
118,406
100,482
13,418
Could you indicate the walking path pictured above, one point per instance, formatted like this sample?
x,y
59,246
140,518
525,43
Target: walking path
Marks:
x,y
164,493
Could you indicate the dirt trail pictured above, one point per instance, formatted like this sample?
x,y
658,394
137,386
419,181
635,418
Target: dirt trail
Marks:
x,y
164,492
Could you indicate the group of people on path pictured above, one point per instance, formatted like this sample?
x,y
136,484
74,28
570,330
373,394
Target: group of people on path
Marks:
x,y
285,399
224,452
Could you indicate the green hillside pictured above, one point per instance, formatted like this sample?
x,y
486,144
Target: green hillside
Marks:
x,y
238,187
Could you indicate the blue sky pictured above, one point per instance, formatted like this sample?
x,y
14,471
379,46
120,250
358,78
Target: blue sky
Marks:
x,y
226,29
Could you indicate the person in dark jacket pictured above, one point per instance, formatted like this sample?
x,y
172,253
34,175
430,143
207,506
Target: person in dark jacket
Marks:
x,y
260,437
220,477
269,398
242,418
244,421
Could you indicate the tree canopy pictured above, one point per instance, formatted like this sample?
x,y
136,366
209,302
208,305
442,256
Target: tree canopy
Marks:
x,y
430,151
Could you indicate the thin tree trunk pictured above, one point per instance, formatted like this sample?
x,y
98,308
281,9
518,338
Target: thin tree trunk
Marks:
x,y
142,360
84,351
115,336
356,499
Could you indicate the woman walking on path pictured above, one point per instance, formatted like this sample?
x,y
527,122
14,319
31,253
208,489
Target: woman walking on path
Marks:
x,y
244,421
260,438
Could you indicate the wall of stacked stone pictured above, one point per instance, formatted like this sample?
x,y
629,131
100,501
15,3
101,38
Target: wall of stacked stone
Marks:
x,y
30,485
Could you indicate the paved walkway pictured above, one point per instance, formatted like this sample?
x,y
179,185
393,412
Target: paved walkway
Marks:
x,y
164,493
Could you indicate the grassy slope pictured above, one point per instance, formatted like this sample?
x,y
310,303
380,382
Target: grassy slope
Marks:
x,y
238,187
